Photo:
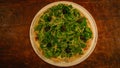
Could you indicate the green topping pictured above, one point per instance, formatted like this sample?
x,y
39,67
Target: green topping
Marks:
x,y
62,32
47,28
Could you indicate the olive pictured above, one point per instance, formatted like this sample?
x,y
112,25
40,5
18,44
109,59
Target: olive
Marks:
x,y
79,21
83,38
63,28
47,28
49,45
64,11
68,50
49,19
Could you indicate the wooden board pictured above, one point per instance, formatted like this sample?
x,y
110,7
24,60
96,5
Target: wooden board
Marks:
x,y
15,47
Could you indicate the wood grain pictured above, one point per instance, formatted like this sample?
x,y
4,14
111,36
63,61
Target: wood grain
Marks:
x,y
15,47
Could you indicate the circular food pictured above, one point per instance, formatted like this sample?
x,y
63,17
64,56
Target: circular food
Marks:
x,y
61,34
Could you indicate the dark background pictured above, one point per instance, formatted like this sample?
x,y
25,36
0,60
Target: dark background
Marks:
x,y
15,47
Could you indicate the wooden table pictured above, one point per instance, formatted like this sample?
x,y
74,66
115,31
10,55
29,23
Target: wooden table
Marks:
x,y
15,47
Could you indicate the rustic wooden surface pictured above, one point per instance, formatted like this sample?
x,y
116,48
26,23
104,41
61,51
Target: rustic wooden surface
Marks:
x,y
15,47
